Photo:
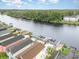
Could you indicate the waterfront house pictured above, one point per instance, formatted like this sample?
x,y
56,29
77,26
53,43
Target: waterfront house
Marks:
x,y
4,32
71,18
78,17
12,50
31,52
3,37
2,28
4,44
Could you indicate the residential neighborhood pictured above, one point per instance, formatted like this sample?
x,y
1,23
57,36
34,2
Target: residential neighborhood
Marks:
x,y
71,18
39,29
21,46
18,44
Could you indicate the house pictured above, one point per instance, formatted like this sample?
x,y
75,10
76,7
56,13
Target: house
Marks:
x,y
43,53
71,18
12,50
4,32
31,52
2,27
6,36
4,44
78,17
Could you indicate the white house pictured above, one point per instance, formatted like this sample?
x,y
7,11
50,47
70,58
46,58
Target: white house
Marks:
x,y
78,17
71,18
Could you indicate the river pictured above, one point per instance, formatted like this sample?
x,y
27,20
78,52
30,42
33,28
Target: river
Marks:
x,y
66,33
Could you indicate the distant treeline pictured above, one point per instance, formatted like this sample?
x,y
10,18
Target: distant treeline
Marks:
x,y
47,16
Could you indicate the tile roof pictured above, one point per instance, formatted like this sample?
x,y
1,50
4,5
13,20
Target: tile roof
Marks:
x,y
12,40
31,52
6,36
19,46
4,32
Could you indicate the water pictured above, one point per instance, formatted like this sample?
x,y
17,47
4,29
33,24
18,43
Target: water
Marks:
x,y
65,33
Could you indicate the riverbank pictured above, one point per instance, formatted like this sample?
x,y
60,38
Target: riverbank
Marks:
x,y
44,16
61,22
76,23
67,23
22,41
66,33
71,23
65,51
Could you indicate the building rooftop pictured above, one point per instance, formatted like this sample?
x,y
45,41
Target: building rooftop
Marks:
x,y
19,46
12,40
4,32
31,52
72,16
6,36
2,29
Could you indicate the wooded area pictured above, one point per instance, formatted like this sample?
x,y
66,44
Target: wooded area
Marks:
x,y
46,16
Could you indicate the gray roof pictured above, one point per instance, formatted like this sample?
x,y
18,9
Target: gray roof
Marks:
x,y
12,40
73,16
6,36
1,29
4,32
19,46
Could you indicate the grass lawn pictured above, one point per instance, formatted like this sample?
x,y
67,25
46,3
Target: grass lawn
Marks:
x,y
65,51
49,52
77,52
3,55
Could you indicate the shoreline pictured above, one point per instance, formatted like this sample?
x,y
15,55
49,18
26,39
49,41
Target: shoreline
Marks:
x,y
59,48
40,40
76,23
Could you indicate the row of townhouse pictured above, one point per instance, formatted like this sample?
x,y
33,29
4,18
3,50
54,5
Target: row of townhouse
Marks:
x,y
8,39
21,48
71,18
18,46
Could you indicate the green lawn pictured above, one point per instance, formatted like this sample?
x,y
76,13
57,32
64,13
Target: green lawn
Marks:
x,y
77,52
3,55
49,52
65,51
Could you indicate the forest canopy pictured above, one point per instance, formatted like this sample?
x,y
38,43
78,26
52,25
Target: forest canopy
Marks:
x,y
47,16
